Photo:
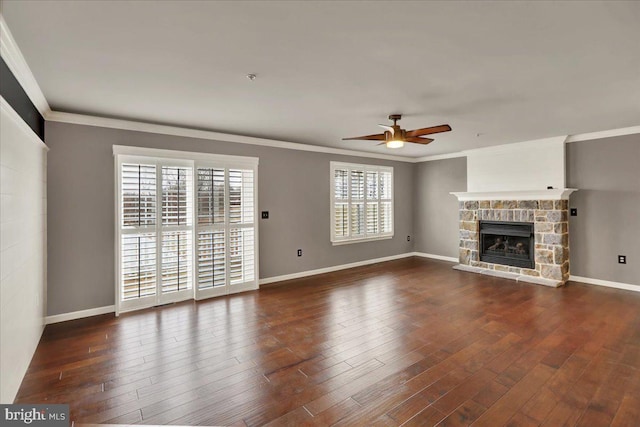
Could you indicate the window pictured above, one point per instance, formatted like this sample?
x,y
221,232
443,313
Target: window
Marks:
x,y
361,202
186,226
176,228
226,229
137,230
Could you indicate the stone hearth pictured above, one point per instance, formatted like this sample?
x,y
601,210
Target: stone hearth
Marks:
x,y
551,231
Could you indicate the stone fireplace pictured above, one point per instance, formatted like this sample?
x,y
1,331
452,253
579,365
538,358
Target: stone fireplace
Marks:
x,y
489,252
517,184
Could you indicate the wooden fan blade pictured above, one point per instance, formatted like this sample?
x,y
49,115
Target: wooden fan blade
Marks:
x,y
376,137
418,140
429,130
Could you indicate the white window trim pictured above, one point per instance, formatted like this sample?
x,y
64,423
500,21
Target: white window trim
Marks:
x,y
234,161
336,241
161,157
360,240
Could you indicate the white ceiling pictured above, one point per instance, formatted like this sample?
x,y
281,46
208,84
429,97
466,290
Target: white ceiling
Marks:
x,y
509,71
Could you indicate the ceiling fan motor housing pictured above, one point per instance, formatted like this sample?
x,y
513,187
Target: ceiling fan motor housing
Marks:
x,y
397,134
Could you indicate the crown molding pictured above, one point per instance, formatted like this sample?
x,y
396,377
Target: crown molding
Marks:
x,y
632,130
533,143
440,157
123,124
579,137
81,119
18,65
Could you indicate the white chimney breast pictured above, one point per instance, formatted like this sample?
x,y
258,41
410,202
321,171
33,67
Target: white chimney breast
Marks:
x,y
524,166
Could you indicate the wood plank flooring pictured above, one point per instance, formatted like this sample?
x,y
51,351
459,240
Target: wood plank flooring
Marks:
x,y
408,342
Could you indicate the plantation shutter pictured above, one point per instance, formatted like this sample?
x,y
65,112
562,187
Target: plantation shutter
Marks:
x,y
226,227
176,203
176,253
138,195
138,265
212,247
357,203
176,261
361,202
386,202
241,231
341,203
186,226
211,191
372,203
138,219
211,259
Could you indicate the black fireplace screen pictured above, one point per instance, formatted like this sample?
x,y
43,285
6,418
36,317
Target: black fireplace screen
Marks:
x,y
508,243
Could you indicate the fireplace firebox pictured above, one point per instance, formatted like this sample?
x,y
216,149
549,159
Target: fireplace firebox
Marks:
x,y
507,243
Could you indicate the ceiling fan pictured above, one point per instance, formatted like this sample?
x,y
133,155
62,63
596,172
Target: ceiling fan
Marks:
x,y
395,137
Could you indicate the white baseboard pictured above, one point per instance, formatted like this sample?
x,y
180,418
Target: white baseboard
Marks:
x,y
438,257
57,318
307,273
111,308
607,283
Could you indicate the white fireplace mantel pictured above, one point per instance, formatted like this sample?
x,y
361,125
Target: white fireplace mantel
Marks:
x,y
550,194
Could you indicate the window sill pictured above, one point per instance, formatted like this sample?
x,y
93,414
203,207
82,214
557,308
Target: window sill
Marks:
x,y
366,239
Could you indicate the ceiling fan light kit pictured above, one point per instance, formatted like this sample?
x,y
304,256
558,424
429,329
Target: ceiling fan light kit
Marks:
x,y
395,137
396,143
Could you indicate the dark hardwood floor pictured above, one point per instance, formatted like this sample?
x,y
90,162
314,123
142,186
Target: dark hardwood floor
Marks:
x,y
407,342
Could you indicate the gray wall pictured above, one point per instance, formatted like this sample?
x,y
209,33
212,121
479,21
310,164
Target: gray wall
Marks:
x,y
607,174
293,187
435,216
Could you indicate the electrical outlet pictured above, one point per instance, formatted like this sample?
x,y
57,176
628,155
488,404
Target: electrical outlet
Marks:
x,y
622,259
299,252
265,214
408,238
573,211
